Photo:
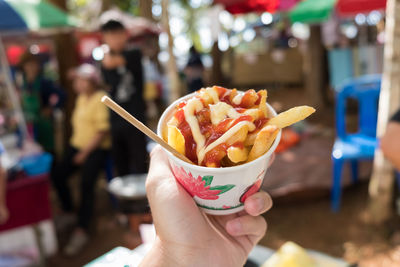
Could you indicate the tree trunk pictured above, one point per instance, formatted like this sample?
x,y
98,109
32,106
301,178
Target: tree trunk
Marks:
x,y
216,75
315,68
145,9
381,184
67,58
172,70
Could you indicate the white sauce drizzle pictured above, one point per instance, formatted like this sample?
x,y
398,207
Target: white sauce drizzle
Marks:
x,y
224,138
192,106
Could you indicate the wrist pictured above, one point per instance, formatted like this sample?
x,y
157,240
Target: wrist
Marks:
x,y
167,255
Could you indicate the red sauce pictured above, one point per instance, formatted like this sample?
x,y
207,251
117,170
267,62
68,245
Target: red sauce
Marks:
x,y
259,123
226,97
213,132
259,99
216,155
239,145
242,118
190,144
218,130
180,115
220,90
240,110
181,104
249,99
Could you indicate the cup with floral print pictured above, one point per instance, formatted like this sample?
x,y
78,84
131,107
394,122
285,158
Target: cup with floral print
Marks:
x,y
218,191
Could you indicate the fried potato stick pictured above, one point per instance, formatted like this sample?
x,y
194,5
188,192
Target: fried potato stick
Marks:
x,y
263,141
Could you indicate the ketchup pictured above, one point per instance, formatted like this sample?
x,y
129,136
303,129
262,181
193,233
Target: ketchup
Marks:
x,y
213,132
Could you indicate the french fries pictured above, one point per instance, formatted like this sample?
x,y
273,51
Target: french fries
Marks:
x,y
291,116
263,141
228,127
176,139
237,154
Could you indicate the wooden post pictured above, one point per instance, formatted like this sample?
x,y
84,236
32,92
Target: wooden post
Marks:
x,y
172,69
67,58
381,184
145,9
217,77
315,67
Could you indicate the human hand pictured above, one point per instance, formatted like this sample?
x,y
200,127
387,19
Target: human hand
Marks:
x,y
186,236
3,214
80,157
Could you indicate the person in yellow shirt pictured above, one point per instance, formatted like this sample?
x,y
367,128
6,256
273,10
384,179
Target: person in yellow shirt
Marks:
x,y
87,151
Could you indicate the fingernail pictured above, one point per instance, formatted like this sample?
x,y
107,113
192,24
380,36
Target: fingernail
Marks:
x,y
261,205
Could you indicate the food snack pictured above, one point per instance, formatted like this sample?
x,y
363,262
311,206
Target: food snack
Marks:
x,y
219,127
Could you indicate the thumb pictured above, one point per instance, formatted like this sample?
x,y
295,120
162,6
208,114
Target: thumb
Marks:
x,y
159,164
159,171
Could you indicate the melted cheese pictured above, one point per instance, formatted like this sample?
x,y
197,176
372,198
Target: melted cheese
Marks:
x,y
224,138
220,111
192,106
238,98
213,93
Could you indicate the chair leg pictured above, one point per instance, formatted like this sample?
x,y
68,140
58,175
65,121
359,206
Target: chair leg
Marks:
x,y
354,171
336,186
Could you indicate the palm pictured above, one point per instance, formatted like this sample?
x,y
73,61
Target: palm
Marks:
x,y
195,227
182,226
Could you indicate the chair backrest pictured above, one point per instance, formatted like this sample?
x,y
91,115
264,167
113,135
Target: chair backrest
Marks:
x,y
365,90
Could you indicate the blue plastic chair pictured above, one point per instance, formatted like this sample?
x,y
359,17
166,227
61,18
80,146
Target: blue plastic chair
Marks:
x,y
352,147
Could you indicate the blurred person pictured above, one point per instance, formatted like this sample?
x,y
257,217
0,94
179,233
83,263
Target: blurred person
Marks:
x,y
39,98
153,74
122,70
186,236
194,71
3,184
88,150
390,142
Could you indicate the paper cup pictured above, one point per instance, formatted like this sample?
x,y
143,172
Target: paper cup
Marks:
x,y
218,191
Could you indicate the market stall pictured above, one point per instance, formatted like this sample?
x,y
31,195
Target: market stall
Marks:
x,y
27,166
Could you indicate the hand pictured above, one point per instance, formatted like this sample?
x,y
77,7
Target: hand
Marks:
x,y
3,214
80,157
186,236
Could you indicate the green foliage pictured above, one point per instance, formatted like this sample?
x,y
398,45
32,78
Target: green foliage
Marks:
x,y
130,6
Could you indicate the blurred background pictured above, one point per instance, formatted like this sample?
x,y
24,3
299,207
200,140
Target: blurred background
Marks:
x,y
334,192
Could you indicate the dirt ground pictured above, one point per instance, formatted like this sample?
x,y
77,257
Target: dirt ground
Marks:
x,y
299,181
303,217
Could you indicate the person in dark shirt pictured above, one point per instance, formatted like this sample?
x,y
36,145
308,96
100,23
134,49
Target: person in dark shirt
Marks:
x,y
194,71
390,142
39,98
122,71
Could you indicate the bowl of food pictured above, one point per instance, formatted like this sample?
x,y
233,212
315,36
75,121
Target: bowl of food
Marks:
x,y
229,136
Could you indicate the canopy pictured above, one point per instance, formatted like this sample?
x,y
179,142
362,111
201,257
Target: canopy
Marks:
x,y
351,7
20,15
315,11
310,11
307,11
246,6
